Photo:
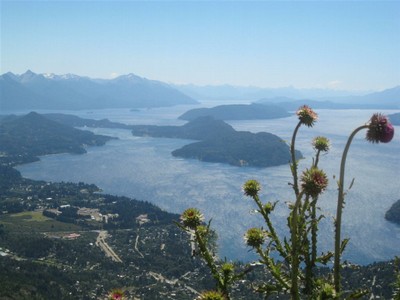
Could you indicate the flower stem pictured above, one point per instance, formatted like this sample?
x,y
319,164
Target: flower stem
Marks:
x,y
294,160
340,204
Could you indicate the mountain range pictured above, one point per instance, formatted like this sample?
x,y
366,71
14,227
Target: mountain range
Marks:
x,y
49,91
324,98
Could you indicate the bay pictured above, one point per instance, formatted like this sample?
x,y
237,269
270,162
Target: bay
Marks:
x,y
143,168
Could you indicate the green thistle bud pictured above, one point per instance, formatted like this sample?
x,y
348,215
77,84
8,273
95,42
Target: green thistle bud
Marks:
x,y
321,143
251,188
314,181
211,295
203,231
307,116
192,218
254,237
268,208
227,269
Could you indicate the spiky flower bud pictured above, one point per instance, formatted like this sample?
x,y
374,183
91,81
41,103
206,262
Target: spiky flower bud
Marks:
x,y
307,116
321,143
314,181
268,208
227,269
379,129
203,231
192,218
211,295
254,237
251,188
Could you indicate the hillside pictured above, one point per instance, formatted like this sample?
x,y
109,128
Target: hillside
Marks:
x,y
394,118
393,214
237,112
23,139
31,91
219,142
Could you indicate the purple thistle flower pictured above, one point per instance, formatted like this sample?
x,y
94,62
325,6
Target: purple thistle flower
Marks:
x,y
192,218
379,129
314,182
307,116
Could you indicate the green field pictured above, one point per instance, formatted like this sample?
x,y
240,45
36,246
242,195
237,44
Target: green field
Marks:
x,y
35,221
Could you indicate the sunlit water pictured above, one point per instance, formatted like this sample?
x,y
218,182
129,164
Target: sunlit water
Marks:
x,y
143,168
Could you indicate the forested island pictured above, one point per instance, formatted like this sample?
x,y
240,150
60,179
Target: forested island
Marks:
x,y
238,112
394,118
219,142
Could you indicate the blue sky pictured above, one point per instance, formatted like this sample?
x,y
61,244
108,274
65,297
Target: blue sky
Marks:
x,y
325,44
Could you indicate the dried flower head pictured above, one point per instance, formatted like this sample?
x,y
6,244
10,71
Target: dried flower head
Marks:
x,y
192,218
307,116
251,188
314,181
116,295
321,143
254,237
379,129
211,295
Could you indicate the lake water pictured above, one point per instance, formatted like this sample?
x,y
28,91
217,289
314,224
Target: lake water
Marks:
x,y
143,168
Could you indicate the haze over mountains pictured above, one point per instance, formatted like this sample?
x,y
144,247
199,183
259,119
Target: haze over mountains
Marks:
x,y
31,91
49,91
324,98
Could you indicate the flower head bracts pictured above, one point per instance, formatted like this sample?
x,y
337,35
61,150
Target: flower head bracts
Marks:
x,y
251,188
254,237
211,295
116,295
314,181
307,116
192,218
321,143
379,129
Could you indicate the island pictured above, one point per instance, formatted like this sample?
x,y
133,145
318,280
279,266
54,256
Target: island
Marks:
x,y
393,214
218,142
238,112
394,118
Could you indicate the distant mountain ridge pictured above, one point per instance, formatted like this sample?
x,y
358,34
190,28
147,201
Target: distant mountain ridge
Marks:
x,y
49,91
324,98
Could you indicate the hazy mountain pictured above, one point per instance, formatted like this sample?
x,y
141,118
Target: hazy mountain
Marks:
x,y
50,91
389,99
237,112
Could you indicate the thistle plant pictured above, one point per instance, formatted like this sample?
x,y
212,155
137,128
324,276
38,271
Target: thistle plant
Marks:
x,y
223,272
294,271
379,130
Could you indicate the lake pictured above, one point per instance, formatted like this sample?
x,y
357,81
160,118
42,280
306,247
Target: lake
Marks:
x,y
143,168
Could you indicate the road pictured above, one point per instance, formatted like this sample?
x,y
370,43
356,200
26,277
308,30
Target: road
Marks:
x,y
100,241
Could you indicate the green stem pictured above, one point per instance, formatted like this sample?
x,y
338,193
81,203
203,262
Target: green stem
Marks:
x,y
294,161
271,229
294,290
340,204
221,286
272,268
